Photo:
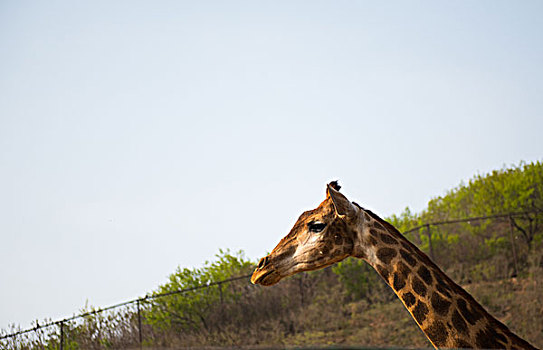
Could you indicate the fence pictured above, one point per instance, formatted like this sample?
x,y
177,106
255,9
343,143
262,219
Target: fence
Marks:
x,y
137,303
508,216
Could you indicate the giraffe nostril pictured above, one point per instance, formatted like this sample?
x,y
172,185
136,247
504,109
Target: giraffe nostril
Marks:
x,y
262,262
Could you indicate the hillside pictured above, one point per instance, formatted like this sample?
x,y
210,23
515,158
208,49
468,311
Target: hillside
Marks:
x,y
497,258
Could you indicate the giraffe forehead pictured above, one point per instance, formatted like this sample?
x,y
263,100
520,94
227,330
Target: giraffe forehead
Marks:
x,y
322,213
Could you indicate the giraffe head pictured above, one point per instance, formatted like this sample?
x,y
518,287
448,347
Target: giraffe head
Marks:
x,y
320,237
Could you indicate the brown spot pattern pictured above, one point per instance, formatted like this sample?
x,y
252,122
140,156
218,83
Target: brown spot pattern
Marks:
x,y
471,316
379,225
325,250
500,336
519,342
403,269
443,290
462,344
418,286
406,246
442,286
407,257
409,299
386,254
485,339
459,323
437,333
420,311
383,271
388,239
425,274
439,304
347,247
399,281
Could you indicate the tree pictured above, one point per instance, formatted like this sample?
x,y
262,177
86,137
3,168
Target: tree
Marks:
x,y
360,281
518,190
195,309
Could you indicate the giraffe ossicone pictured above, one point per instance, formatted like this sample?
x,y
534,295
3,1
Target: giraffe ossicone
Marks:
x,y
339,228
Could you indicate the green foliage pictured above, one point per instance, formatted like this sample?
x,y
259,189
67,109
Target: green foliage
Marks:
x,y
518,189
360,280
460,248
354,275
405,221
195,309
470,251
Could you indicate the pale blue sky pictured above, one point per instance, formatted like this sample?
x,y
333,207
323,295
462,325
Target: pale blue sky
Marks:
x,y
139,136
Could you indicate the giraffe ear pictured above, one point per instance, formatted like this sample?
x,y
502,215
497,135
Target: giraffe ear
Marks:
x,y
342,205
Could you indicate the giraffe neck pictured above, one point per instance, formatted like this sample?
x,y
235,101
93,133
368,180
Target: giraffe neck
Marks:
x,y
446,313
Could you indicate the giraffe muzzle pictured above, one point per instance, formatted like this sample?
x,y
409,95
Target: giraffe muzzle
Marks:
x,y
265,274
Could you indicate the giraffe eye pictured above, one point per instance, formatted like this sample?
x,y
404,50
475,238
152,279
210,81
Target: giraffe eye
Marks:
x,y
316,226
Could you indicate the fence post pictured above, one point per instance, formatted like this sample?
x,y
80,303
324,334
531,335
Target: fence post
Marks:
x,y
139,325
61,335
430,247
513,245
220,291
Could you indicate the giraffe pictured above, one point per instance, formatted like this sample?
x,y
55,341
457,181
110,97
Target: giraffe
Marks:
x,y
338,228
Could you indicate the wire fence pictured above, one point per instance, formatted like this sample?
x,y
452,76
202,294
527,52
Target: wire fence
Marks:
x,y
138,302
134,306
508,216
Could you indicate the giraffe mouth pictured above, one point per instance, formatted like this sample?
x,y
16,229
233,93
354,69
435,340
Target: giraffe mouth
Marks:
x,y
265,277
268,274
